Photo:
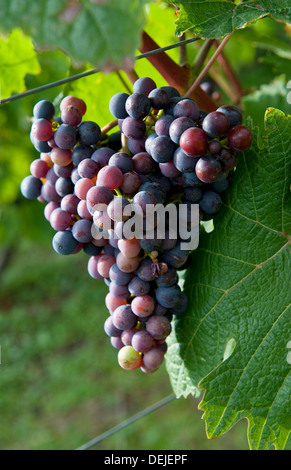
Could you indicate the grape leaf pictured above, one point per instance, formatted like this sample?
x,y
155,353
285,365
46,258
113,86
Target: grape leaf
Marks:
x,y
271,95
216,18
233,339
17,59
103,33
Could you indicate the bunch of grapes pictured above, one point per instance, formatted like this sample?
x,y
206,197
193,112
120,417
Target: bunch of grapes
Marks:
x,y
166,151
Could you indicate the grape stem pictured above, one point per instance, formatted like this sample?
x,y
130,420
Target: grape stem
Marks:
x,y
125,148
207,67
201,56
124,82
223,84
109,127
131,75
183,52
235,83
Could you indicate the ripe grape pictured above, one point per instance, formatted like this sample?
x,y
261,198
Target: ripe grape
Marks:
x,y
216,125
123,318
65,137
233,113
60,220
186,108
194,142
110,176
210,202
143,305
159,98
138,105
71,116
117,105
159,327
208,169
240,138
142,341
31,187
144,85
44,110
75,102
162,149
82,231
64,243
153,359
89,133
88,168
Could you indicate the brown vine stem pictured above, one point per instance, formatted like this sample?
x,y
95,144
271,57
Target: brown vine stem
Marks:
x,y
234,81
208,66
174,74
109,127
123,82
131,75
182,52
202,54
223,84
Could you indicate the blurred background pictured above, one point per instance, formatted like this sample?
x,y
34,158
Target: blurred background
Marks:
x,y
60,384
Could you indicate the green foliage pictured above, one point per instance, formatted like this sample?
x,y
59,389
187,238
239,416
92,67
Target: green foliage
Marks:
x,y
102,33
17,59
238,289
232,342
215,19
60,382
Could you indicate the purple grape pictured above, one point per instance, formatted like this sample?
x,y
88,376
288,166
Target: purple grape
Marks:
x,y
186,108
142,341
216,125
123,318
208,169
82,231
121,160
64,243
159,98
134,128
162,149
138,287
210,202
119,277
183,162
89,133
117,105
88,168
159,327
44,110
65,137
119,292
144,85
31,187
233,113
138,105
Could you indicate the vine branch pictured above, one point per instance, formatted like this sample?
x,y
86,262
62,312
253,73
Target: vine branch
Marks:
x,y
208,66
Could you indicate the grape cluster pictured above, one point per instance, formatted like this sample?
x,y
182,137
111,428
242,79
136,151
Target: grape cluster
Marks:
x,y
166,151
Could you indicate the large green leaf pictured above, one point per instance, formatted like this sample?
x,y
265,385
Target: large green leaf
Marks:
x,y
17,59
235,332
103,33
216,18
